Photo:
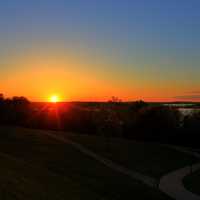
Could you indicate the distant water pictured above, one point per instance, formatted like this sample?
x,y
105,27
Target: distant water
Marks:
x,y
188,111
183,109
178,104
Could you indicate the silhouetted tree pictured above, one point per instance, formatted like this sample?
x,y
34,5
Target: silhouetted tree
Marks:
x,y
20,100
158,123
115,100
191,130
1,97
136,106
14,111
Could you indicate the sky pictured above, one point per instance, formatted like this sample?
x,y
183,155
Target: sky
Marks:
x,y
90,50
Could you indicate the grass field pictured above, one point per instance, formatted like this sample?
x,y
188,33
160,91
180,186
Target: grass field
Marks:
x,y
34,166
148,158
192,182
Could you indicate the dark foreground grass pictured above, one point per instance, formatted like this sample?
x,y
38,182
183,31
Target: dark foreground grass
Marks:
x,y
148,158
34,166
192,182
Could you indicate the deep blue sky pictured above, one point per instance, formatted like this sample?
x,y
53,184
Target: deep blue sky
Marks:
x,y
148,47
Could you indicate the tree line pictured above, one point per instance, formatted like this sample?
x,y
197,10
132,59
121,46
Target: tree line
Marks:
x,y
137,120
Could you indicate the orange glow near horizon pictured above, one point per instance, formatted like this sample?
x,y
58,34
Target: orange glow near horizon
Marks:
x,y
72,76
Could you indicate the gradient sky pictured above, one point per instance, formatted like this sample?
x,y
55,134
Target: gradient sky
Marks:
x,y
95,49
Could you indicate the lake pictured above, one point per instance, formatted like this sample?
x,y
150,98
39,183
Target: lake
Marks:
x,y
188,111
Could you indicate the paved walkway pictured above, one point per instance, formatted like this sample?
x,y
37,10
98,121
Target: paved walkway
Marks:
x,y
152,182
172,184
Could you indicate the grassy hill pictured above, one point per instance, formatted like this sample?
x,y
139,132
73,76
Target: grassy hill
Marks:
x,y
151,159
35,166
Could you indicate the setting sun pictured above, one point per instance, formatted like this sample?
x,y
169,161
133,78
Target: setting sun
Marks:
x,y
54,99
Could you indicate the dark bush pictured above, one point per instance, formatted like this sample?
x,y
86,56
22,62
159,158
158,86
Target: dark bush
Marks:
x,y
157,123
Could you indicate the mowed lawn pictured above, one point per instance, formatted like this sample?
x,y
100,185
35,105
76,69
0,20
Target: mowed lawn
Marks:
x,y
35,166
148,158
192,182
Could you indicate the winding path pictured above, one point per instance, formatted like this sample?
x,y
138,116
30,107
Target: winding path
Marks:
x,y
152,182
172,183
